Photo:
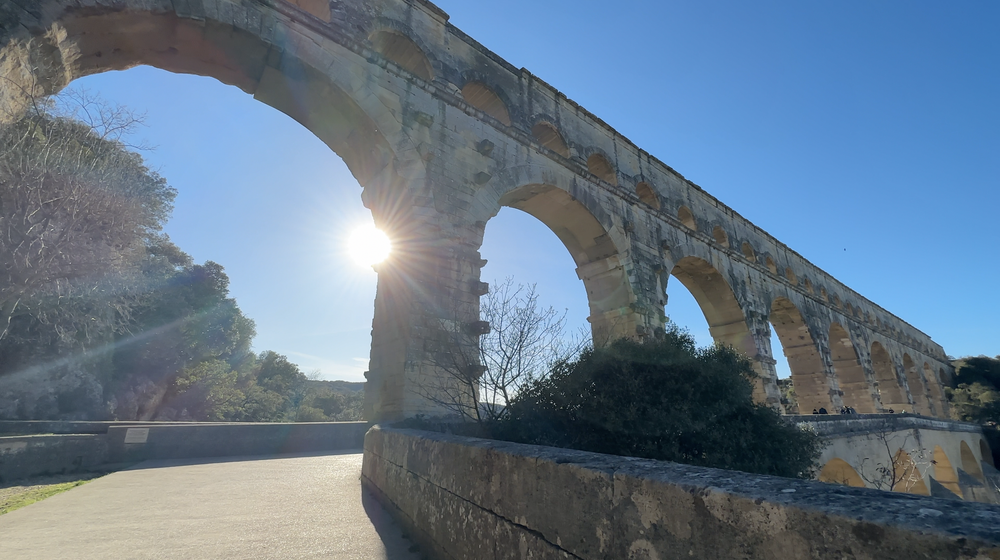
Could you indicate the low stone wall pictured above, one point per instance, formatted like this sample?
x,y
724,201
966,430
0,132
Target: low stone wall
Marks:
x,y
177,441
27,456
827,425
109,445
472,498
32,427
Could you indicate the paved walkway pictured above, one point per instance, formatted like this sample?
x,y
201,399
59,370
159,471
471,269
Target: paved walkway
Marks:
x,y
261,507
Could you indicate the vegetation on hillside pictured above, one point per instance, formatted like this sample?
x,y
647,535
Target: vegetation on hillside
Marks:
x,y
101,315
976,396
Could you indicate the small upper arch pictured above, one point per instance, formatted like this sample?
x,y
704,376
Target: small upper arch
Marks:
x,y
771,265
646,194
687,218
748,252
548,135
487,100
398,47
790,275
600,165
720,236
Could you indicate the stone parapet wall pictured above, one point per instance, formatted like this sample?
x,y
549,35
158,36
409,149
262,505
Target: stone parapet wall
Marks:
x,y
472,498
832,425
177,441
42,455
88,446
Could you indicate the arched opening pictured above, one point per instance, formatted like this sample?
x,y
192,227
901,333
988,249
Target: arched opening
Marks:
x,y
808,285
770,265
985,453
936,397
548,135
920,405
687,218
839,471
808,377
944,473
647,195
726,322
908,477
889,391
790,275
857,391
600,166
720,236
287,77
969,462
822,293
748,252
482,97
400,49
596,257
850,310
294,86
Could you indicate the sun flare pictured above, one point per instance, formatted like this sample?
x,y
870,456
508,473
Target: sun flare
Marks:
x,y
369,245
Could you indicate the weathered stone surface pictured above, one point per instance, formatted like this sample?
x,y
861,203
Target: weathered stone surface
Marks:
x,y
442,133
587,505
856,444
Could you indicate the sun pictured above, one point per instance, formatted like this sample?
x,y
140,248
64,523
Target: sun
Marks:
x,y
368,245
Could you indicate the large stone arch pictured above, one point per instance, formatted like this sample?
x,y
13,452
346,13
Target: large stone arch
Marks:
x,y
839,471
857,390
342,95
944,472
279,65
600,264
970,464
936,397
917,393
722,310
907,476
890,392
986,453
812,389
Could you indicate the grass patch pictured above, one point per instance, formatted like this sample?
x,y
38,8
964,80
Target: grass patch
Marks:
x,y
30,491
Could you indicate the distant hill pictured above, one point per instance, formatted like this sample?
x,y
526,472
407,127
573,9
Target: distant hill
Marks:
x,y
346,387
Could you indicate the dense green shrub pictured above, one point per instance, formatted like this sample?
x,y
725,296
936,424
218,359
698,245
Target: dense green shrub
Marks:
x,y
662,399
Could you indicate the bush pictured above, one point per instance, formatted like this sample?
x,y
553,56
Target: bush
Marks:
x,y
663,399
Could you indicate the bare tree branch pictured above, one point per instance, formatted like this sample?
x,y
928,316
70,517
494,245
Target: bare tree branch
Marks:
x,y
481,371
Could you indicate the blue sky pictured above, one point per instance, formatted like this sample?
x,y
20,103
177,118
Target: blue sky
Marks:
x,y
865,135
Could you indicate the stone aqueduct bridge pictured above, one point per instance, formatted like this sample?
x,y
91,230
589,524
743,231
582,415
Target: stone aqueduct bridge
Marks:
x,y
441,133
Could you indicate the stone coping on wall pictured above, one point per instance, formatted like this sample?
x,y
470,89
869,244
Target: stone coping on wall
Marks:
x,y
473,498
842,424
61,447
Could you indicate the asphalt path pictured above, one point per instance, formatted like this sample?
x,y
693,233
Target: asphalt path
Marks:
x,y
287,507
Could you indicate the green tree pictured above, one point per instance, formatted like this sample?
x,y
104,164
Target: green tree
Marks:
x,y
976,396
74,203
662,399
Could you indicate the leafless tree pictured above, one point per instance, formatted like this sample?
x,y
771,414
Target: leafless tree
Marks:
x,y
484,365
898,473
73,203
